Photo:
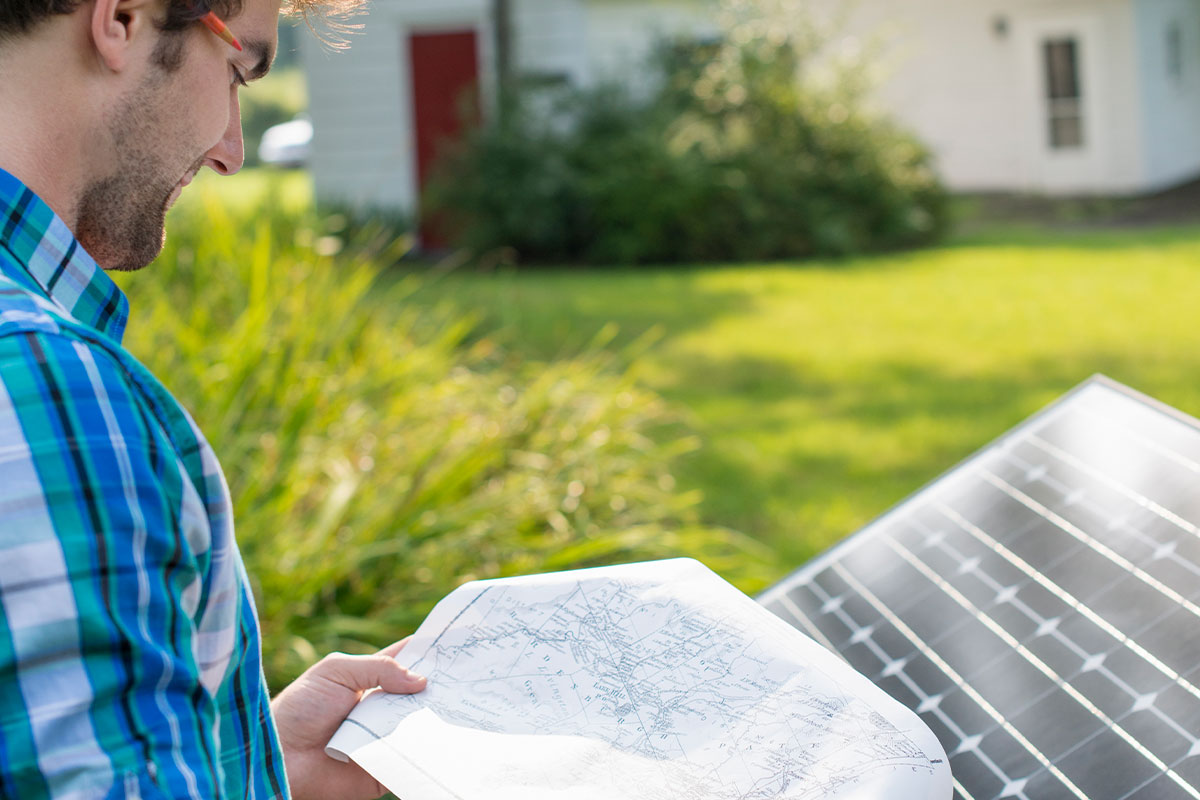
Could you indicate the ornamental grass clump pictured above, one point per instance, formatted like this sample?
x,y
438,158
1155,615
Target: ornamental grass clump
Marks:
x,y
379,452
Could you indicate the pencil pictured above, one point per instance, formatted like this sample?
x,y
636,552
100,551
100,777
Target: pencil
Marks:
x,y
218,27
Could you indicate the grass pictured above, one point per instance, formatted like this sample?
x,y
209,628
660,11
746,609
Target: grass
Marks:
x,y
247,193
376,458
824,393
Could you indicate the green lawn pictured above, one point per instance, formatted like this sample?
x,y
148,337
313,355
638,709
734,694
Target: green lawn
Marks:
x,y
825,393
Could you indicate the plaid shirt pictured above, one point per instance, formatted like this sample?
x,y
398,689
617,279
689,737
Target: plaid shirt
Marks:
x,y
129,646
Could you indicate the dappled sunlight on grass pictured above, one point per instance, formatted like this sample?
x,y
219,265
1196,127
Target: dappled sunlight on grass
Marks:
x,y
826,393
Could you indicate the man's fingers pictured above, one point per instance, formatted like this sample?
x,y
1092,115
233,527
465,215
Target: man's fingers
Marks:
x,y
392,650
359,673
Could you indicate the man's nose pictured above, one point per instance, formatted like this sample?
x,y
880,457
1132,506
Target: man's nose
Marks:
x,y
228,155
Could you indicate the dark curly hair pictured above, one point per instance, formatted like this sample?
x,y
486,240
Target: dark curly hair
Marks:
x,y
21,16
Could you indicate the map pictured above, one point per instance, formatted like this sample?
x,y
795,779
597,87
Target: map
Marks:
x,y
655,680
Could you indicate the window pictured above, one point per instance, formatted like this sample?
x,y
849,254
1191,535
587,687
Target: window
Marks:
x,y
1064,95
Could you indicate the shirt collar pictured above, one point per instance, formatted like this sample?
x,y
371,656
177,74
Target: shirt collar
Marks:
x,y
51,257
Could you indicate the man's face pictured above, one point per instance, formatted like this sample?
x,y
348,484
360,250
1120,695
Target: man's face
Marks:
x,y
163,131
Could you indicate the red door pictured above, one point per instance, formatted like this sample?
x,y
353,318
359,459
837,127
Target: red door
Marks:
x,y
445,75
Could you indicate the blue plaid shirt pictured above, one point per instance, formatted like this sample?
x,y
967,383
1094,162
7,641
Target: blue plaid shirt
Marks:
x,y
129,646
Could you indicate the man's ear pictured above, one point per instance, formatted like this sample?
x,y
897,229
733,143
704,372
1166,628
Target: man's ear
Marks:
x,y
120,27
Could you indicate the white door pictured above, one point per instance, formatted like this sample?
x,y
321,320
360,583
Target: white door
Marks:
x,y
1062,86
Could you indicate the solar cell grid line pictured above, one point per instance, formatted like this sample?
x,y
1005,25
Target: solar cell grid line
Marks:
x,y
1007,595
1169,453
933,704
1089,501
1150,547
930,704
1168,477
809,628
1094,663
863,635
960,791
971,742
1135,531
999,594
1074,603
1083,537
1002,595
1078,606
1050,579
1138,497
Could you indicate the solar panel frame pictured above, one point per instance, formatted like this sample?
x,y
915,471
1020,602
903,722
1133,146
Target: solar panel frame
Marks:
x,y
1032,692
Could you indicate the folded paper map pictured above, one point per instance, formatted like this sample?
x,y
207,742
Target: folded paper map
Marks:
x,y
655,681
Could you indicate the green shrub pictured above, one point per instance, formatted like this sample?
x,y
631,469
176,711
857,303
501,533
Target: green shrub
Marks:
x,y
757,147
378,455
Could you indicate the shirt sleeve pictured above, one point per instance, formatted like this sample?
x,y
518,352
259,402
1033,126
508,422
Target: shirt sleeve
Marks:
x,y
100,692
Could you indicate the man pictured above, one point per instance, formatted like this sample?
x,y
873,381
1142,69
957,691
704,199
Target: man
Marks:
x,y
129,648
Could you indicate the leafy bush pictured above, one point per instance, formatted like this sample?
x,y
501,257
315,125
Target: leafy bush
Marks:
x,y
756,147
378,455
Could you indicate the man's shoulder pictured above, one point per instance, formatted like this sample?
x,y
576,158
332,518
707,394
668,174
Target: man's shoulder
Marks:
x,y
92,439
36,333
22,309
54,370
56,387
68,388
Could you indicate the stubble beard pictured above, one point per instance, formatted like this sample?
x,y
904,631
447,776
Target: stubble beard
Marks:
x,y
121,218
119,225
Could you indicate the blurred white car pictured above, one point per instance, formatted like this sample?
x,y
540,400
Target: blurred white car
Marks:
x,y
288,144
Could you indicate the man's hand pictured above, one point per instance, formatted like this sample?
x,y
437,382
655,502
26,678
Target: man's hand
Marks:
x,y
309,711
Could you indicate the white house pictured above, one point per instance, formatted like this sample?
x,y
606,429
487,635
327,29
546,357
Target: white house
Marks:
x,y
379,108
1050,96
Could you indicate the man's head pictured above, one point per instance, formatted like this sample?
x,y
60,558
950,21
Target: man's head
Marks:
x,y
178,112
110,107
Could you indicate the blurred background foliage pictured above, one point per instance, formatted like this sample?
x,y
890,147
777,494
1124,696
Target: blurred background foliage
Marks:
x,y
757,145
279,97
378,455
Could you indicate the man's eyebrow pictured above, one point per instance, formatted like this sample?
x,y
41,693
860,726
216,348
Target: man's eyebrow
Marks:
x,y
263,52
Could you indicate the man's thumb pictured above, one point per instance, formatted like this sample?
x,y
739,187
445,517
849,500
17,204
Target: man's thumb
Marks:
x,y
359,673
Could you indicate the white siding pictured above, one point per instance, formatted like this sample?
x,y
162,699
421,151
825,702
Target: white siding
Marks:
x,y
622,33
949,77
1170,105
364,149
967,77
549,39
974,93
588,41
361,104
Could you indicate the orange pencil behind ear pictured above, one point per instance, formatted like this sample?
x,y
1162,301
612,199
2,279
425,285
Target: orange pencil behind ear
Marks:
x,y
218,26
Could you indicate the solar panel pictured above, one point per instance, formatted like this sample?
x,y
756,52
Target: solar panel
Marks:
x,y
1038,605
